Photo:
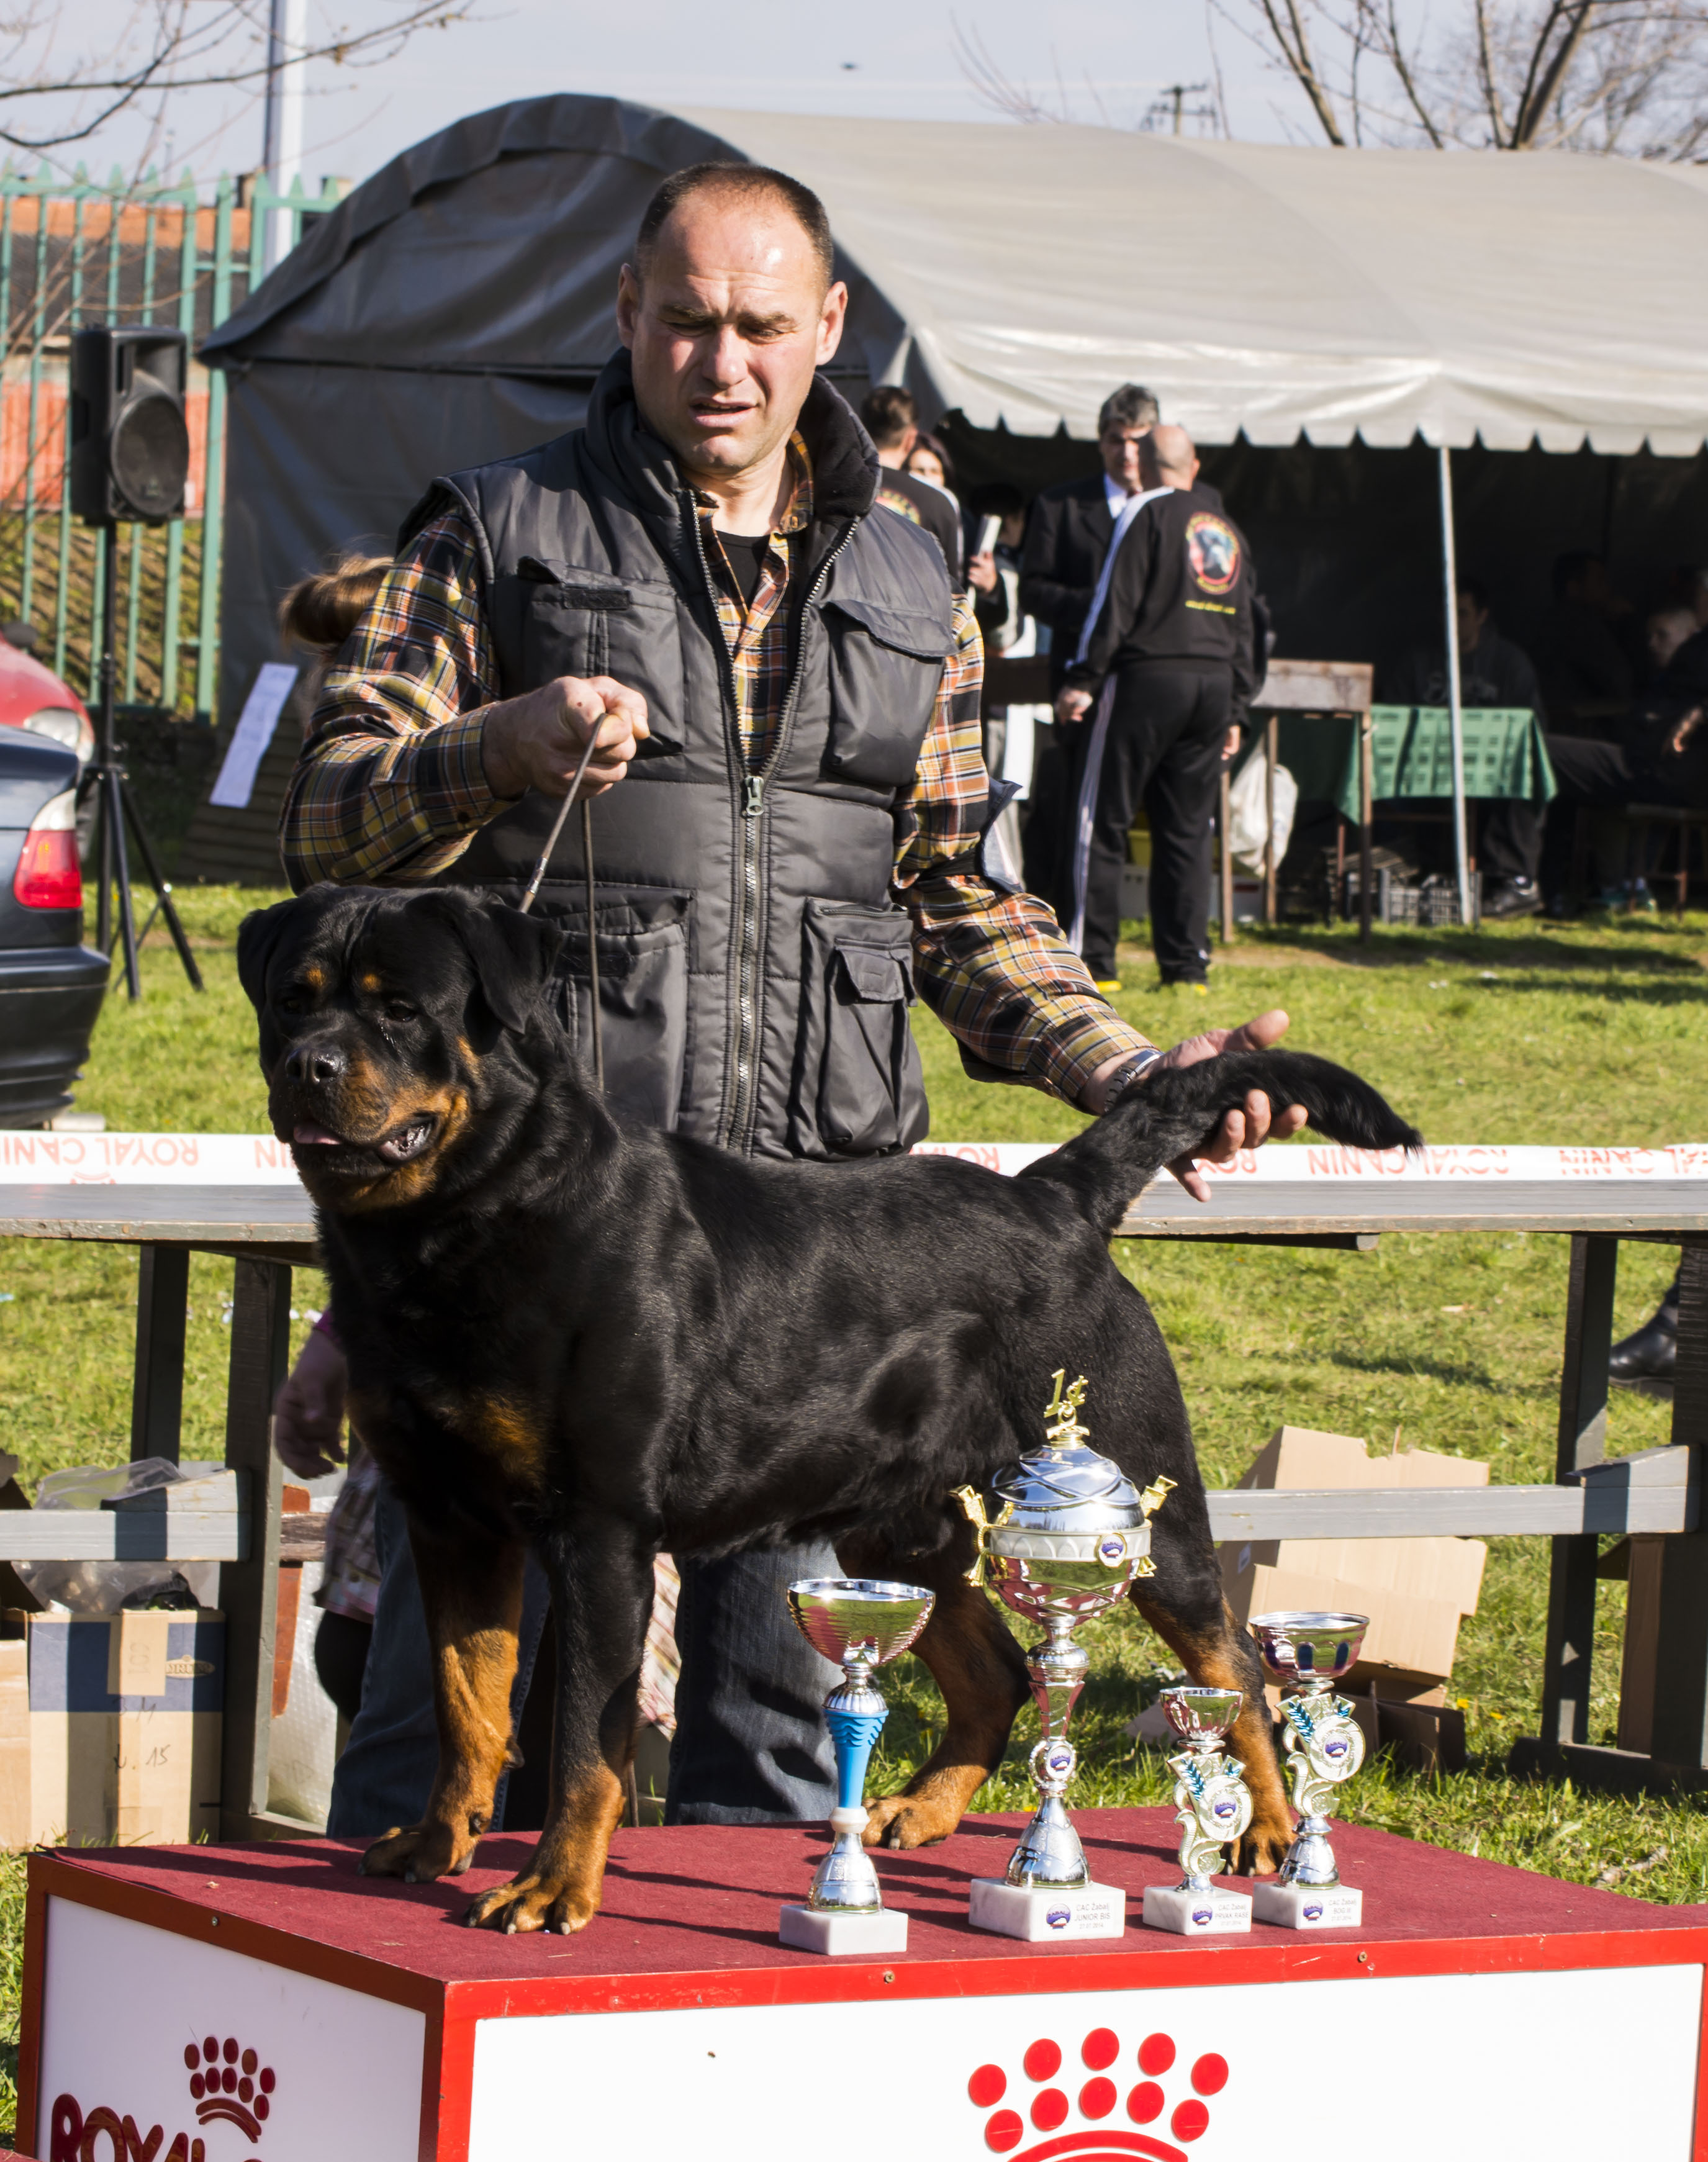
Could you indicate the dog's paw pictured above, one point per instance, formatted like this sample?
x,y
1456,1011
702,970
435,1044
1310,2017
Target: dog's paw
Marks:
x,y
1263,1849
530,1902
423,1852
904,1820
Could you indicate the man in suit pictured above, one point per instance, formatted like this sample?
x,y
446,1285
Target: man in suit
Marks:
x,y
1067,538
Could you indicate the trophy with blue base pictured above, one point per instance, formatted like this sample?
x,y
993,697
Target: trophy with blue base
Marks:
x,y
858,1624
1068,1534
1213,1805
1308,1653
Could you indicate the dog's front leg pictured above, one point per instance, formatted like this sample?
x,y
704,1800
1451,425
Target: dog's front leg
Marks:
x,y
472,1593
601,1577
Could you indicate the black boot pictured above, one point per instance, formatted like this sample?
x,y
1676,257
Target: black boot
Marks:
x,y
1649,1354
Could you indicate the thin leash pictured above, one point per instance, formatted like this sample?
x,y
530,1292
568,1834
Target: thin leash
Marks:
x,y
586,857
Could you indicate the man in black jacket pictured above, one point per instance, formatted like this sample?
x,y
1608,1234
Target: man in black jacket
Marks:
x,y
1172,637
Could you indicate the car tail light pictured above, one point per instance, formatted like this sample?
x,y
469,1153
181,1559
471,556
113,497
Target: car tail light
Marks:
x,y
49,874
75,731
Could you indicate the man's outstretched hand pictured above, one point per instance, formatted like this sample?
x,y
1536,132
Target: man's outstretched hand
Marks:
x,y
1249,1128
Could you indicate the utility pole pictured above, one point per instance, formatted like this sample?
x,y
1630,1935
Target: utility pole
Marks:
x,y
1173,100
282,153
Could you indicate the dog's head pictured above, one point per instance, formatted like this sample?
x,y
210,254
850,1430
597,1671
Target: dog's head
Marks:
x,y
387,1021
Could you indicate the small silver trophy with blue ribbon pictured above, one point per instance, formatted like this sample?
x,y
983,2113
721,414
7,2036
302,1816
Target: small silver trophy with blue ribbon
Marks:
x,y
1308,1653
858,1623
1212,1806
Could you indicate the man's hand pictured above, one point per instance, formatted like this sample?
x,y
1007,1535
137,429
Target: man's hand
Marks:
x,y
308,1412
1685,729
536,741
1230,743
1249,1128
981,571
1072,706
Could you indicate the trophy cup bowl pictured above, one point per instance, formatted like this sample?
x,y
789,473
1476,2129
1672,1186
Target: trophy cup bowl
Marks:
x,y
1212,1806
859,1624
1069,1534
1307,1655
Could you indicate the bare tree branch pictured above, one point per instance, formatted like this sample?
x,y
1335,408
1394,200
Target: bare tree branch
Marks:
x,y
179,54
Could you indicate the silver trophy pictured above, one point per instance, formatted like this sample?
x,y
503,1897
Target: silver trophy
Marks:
x,y
1308,1653
857,1623
1069,1534
1213,1805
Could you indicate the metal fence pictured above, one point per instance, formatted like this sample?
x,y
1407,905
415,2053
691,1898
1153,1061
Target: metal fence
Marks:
x,y
81,252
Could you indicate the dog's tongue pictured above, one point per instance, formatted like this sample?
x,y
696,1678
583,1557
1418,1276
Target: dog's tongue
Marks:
x,y
307,1134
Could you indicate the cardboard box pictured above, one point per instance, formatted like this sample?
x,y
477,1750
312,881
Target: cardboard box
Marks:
x,y
1415,1591
121,1718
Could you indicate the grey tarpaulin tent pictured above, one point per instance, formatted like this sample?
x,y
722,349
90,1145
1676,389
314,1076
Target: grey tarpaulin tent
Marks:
x,y
457,305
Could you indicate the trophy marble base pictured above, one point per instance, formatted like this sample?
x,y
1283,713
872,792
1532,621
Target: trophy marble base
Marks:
x,y
1190,1913
1038,1916
1308,1906
808,1930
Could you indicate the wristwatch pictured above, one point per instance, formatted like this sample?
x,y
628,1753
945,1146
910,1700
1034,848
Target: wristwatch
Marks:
x,y
1128,1077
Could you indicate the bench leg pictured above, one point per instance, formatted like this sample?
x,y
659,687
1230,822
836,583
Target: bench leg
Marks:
x,y
1582,1441
248,1591
157,1392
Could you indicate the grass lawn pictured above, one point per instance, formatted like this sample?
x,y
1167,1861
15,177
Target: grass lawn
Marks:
x,y
1578,1035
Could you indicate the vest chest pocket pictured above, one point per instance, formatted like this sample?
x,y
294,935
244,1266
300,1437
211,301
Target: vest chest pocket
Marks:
x,y
859,1089
643,995
885,665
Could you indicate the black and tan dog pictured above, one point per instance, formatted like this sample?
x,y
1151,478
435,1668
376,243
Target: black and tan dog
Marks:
x,y
603,1341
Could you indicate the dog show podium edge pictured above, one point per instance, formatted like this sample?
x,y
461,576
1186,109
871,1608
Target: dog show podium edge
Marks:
x,y
373,2027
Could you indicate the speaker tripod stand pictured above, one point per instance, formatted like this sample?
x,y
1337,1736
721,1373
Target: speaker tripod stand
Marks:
x,y
104,783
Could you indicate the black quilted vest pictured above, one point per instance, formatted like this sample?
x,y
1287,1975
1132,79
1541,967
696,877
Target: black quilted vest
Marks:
x,y
754,974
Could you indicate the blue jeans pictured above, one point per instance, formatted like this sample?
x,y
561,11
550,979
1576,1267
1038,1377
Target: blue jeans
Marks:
x,y
750,1744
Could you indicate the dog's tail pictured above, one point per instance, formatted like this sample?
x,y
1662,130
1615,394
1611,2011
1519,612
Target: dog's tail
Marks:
x,y
1173,1114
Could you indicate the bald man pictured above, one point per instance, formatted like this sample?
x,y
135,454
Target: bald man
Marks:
x,y
1165,670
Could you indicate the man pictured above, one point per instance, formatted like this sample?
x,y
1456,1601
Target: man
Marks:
x,y
1171,635
1492,671
1587,671
786,804
891,418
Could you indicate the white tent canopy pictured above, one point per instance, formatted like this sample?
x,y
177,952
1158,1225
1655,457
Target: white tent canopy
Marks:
x,y
1275,290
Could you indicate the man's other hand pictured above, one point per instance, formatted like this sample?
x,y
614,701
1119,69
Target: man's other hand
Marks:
x,y
308,1412
1247,1128
1230,743
536,741
981,571
1072,706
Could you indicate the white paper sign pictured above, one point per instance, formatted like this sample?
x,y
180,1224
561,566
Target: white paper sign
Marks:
x,y
254,731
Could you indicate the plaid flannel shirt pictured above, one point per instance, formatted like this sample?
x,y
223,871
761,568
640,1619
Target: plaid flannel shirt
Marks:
x,y
390,781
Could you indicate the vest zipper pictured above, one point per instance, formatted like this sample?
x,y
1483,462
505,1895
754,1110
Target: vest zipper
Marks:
x,y
738,1131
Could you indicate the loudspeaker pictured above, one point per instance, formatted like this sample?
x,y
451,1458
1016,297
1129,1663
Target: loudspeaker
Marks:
x,y
130,444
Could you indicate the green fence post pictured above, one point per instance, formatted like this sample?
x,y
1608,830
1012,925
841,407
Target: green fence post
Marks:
x,y
38,332
188,257
62,597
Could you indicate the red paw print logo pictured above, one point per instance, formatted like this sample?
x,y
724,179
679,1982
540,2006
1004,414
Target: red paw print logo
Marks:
x,y
227,2081
1055,2096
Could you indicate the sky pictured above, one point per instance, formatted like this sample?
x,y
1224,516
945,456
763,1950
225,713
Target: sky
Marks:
x,y
893,58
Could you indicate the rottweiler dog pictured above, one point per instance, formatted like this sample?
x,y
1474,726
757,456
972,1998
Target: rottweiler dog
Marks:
x,y
573,1333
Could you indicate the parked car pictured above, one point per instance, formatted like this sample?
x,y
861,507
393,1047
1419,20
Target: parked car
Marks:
x,y
33,698
51,984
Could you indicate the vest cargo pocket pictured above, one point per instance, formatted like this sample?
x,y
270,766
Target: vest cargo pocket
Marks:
x,y
643,996
885,665
859,1089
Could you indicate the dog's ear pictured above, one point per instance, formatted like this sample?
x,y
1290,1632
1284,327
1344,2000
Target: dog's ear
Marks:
x,y
513,953
258,939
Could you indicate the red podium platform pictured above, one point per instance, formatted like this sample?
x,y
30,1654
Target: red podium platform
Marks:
x,y
216,2004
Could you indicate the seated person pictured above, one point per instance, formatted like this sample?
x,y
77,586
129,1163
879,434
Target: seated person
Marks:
x,y
1492,671
1662,757
1588,673
1666,630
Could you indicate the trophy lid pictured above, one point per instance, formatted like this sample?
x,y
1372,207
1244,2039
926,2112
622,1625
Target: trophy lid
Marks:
x,y
1064,1486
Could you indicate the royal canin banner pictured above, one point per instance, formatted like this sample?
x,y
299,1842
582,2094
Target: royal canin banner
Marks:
x,y
49,1159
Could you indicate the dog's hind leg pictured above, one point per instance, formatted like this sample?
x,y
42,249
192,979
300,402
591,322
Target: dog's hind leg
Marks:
x,y
472,1592
979,1669
601,1579
1204,1636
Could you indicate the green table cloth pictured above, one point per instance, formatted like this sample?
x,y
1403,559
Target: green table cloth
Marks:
x,y
1412,755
